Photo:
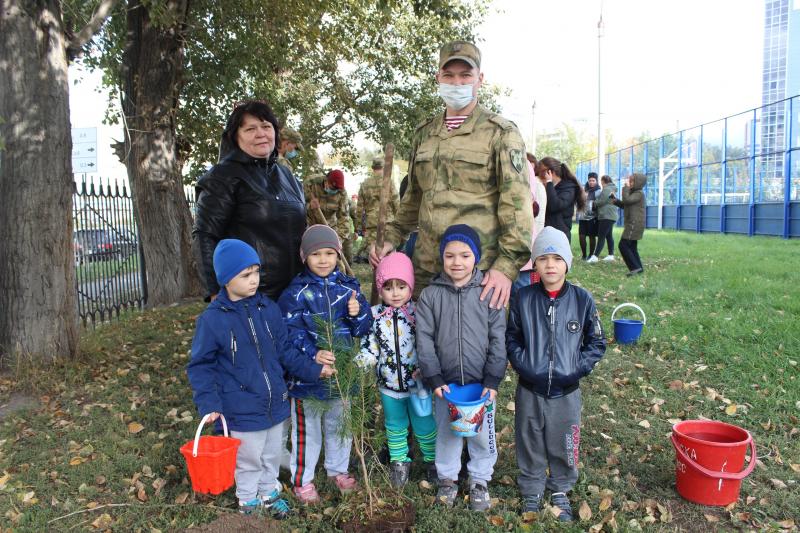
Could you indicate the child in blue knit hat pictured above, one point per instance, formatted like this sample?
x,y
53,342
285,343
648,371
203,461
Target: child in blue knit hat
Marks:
x,y
461,341
240,354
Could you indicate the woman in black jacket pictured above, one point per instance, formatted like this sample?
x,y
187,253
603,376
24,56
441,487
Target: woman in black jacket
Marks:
x,y
564,194
248,196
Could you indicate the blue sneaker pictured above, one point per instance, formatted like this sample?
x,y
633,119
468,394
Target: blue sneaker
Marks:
x,y
275,505
560,500
250,507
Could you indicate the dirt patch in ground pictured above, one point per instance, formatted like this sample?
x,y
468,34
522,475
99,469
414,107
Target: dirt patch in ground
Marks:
x,y
17,402
237,523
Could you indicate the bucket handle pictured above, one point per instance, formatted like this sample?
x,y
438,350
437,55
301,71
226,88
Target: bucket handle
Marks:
x,y
719,475
620,306
200,429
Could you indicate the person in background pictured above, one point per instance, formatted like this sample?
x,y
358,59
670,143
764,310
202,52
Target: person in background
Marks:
x,y
290,147
607,214
369,202
633,210
564,194
587,219
329,199
527,274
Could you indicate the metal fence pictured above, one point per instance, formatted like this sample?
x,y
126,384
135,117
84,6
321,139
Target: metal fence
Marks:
x,y
739,174
110,275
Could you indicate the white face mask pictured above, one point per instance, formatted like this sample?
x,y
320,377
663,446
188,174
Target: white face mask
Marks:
x,y
456,96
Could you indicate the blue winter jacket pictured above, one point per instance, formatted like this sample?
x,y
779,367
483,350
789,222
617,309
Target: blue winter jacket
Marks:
x,y
240,354
309,296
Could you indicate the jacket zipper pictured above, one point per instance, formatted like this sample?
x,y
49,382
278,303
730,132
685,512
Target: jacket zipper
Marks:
x,y
460,349
551,312
233,348
260,357
400,380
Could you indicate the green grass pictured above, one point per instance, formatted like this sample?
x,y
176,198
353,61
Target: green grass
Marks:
x,y
721,327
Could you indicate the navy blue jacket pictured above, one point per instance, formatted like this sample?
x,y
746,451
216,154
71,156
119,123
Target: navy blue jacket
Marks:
x,y
553,342
309,298
240,354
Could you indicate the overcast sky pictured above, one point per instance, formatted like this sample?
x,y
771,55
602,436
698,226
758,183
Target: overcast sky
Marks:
x,y
665,65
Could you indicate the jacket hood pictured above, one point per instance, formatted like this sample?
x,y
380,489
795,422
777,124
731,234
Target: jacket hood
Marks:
x,y
443,279
610,187
639,181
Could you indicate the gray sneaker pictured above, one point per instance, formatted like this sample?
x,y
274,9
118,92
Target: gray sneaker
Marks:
x,y
447,492
560,500
398,473
532,503
479,497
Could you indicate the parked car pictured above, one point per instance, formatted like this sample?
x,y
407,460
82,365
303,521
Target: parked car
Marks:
x,y
103,244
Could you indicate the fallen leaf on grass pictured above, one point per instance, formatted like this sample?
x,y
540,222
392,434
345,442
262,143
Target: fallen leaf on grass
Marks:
x,y
100,480
141,495
584,511
425,485
102,521
645,424
329,511
159,484
676,384
181,498
605,436
4,479
605,503
75,461
777,483
497,520
511,406
135,427
528,517
711,518
555,511
506,480
793,466
30,498
731,409
787,524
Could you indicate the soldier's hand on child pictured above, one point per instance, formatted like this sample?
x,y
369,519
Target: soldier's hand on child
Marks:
x,y
492,393
353,307
438,391
494,279
376,255
324,357
327,371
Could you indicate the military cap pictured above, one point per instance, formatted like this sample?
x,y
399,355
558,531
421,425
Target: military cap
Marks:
x,y
293,136
462,50
377,163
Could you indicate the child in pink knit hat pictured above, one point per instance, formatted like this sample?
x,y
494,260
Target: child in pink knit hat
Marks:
x,y
391,348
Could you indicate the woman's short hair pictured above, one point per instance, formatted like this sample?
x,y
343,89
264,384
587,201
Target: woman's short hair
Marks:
x,y
257,108
605,179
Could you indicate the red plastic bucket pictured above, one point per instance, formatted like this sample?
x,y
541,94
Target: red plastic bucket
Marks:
x,y
211,460
709,457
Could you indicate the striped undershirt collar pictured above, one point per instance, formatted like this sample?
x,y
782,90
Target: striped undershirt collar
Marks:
x,y
454,121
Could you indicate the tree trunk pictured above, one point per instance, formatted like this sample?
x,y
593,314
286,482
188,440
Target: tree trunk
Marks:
x,y
152,69
38,308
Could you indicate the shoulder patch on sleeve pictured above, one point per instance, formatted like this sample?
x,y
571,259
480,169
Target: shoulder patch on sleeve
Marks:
x,y
517,159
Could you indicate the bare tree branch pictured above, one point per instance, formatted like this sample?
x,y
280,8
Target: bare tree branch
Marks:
x,y
92,27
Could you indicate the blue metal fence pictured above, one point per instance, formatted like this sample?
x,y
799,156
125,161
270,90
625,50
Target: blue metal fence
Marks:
x,y
740,174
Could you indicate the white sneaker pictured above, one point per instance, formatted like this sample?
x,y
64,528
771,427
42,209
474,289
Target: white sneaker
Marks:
x,y
608,258
592,259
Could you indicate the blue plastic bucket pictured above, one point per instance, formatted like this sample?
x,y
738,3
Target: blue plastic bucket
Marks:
x,y
467,408
627,331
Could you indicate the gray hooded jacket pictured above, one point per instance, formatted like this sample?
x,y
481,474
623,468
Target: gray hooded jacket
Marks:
x,y
459,338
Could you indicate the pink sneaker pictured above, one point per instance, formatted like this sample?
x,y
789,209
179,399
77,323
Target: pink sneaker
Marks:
x,y
345,482
307,494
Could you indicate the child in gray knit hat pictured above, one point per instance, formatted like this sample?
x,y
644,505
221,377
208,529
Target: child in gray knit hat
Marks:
x,y
554,338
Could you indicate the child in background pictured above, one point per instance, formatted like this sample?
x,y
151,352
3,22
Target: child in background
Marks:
x,y
390,347
527,274
240,353
554,339
460,339
321,291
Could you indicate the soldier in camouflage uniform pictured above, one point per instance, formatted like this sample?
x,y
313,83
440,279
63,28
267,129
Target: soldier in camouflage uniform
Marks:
x,y
466,166
291,143
369,202
331,198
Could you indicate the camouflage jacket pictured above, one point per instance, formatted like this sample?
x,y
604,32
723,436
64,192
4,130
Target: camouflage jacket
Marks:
x,y
285,162
369,203
476,175
335,207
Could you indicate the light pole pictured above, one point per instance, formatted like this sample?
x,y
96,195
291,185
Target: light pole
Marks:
x,y
533,129
601,138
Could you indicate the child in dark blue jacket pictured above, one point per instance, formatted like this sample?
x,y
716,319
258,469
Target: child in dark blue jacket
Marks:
x,y
240,353
321,292
554,338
